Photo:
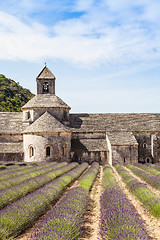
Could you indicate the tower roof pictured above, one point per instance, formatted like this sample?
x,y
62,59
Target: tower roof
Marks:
x,y
45,74
45,101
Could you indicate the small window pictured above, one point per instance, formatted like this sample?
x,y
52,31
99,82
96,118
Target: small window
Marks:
x,y
31,151
148,160
65,115
124,160
45,87
26,115
64,150
48,151
144,145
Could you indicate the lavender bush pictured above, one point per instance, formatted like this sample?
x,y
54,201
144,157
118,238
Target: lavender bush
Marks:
x,y
21,214
22,170
150,179
90,176
11,194
119,218
155,166
18,179
149,199
64,221
148,168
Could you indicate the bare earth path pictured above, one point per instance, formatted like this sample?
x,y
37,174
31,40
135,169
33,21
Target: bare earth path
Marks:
x,y
152,223
92,218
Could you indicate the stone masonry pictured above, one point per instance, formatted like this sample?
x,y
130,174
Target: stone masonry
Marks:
x,y
46,131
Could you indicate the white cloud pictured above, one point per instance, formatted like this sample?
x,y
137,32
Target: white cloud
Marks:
x,y
100,36
82,5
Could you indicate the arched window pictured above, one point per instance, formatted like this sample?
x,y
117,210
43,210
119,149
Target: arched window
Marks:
x,y
144,145
31,151
148,160
45,87
48,151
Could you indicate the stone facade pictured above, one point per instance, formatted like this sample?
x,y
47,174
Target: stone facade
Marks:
x,y
124,154
46,131
58,143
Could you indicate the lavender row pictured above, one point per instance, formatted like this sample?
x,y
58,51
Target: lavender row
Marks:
x,y
10,165
22,214
64,221
18,171
13,193
148,168
90,176
155,166
119,218
18,174
5,169
18,166
147,177
149,199
19,179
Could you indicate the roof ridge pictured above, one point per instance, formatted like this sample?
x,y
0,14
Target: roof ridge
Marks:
x,y
45,73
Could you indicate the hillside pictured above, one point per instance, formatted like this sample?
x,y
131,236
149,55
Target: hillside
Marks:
x,y
12,95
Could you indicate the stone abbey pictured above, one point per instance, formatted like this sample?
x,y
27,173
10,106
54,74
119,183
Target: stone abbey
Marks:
x,y
46,131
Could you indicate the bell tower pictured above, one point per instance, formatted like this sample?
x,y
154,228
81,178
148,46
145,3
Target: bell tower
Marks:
x,y
45,82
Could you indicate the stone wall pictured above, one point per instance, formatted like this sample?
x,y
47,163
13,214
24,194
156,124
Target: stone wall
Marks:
x,y
11,157
59,143
156,148
89,147
33,114
11,138
124,154
51,83
144,147
90,135
89,157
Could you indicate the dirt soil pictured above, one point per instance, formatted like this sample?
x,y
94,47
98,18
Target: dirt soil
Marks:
x,y
152,224
93,214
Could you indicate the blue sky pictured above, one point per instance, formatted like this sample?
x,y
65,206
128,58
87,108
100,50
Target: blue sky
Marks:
x,y
105,54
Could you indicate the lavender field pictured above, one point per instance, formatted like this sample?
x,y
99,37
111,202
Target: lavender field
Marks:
x,y
62,201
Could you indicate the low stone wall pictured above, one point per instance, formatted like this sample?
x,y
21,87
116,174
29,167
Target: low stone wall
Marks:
x,y
11,157
89,157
